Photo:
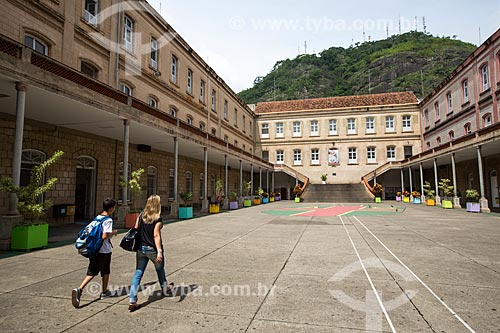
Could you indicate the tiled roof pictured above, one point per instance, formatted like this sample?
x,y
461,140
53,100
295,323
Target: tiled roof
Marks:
x,y
337,102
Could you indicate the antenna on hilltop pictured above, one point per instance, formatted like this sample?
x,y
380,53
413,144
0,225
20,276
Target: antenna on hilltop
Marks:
x,y
399,23
387,30
479,36
305,47
423,23
416,23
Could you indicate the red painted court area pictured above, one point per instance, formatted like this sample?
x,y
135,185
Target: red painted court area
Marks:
x,y
330,211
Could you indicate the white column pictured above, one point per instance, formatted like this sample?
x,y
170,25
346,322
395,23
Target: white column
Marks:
x,y
267,180
226,188
241,179
18,144
272,181
411,182
456,199
176,168
438,198
204,203
422,195
402,181
260,177
483,201
126,142
251,181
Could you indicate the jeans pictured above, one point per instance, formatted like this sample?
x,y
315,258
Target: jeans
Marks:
x,y
145,254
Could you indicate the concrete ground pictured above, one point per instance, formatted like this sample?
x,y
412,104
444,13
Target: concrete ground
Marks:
x,y
270,269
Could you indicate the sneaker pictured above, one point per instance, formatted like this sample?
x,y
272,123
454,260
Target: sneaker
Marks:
x,y
75,297
107,294
168,291
133,306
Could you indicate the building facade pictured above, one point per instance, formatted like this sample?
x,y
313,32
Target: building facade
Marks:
x,y
342,137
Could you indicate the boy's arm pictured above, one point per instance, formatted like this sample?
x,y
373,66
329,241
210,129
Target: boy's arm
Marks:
x,y
108,231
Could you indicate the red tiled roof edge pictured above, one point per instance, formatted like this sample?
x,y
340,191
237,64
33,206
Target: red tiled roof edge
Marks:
x,y
407,97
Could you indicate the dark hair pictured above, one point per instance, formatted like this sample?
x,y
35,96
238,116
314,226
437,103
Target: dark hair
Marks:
x,y
107,204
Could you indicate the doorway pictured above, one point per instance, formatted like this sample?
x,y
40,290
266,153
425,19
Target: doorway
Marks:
x,y
85,188
494,189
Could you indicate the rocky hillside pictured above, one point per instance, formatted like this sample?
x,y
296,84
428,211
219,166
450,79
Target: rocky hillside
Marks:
x,y
409,62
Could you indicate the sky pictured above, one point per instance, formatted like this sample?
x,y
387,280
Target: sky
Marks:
x,y
242,40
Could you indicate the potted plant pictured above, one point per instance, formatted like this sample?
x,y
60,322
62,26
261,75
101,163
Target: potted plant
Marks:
x,y
271,197
216,199
416,197
134,186
377,192
429,194
186,209
444,185
258,196
33,231
265,197
406,196
277,196
399,196
247,202
472,201
323,178
233,200
297,190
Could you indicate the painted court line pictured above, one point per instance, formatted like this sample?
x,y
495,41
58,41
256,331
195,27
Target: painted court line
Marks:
x,y
369,279
419,280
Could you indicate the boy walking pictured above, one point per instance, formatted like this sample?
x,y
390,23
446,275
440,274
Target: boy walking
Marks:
x,y
101,261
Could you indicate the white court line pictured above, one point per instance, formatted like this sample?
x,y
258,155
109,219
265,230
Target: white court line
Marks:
x,y
419,280
369,279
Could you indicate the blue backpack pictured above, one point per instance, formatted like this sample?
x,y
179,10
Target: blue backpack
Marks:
x,y
89,239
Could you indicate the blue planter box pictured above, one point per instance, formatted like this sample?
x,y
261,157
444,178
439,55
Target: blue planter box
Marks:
x,y
265,200
416,201
185,212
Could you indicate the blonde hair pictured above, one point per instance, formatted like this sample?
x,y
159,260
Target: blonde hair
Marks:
x,y
152,211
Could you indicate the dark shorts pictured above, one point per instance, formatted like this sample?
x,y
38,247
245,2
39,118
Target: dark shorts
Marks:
x,y
99,263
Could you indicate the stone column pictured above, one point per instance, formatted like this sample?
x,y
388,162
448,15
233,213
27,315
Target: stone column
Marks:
x,y
204,203
174,206
438,198
272,181
226,189
422,195
402,181
241,180
456,199
260,177
483,201
123,209
267,180
411,183
251,181
18,144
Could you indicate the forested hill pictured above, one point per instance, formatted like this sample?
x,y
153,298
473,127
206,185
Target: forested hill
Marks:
x,y
404,62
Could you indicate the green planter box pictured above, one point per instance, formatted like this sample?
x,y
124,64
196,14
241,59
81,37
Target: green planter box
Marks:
x,y
247,203
185,212
29,237
297,199
378,199
447,204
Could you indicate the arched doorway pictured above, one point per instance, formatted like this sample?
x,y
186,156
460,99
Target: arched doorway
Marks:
x,y
85,188
495,197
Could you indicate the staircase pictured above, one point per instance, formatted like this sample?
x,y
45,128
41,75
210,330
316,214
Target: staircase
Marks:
x,y
337,193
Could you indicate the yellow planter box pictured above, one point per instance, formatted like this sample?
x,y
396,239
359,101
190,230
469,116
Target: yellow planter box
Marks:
x,y
214,208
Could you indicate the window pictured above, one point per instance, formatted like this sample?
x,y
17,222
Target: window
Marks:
x,y
214,100
389,124
29,159
202,126
129,176
202,185
226,138
297,131
36,44
428,144
297,157
214,132
408,150
449,104
128,29
244,121
279,130
171,184
315,156
190,82
370,155
467,129
484,77
265,155
407,123
235,117
265,131
173,112
88,69
353,156
154,53
426,116
202,91
151,188
465,91
332,127
314,128
436,111
189,181
226,105
153,102
90,12
438,141
451,135
370,125
280,157
126,89
391,153
190,121
351,126
250,127
173,70
487,120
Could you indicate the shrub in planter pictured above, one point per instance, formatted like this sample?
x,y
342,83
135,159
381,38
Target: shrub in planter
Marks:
x,y
323,178
135,189
217,198
378,189
429,194
444,185
399,196
297,190
416,197
233,201
247,202
186,209
472,201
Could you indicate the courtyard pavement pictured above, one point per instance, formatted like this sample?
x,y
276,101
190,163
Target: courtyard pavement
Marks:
x,y
280,267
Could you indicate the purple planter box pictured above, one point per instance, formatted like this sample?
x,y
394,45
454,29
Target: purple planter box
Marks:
x,y
473,207
233,204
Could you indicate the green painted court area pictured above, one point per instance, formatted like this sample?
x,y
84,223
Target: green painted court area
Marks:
x,y
332,210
